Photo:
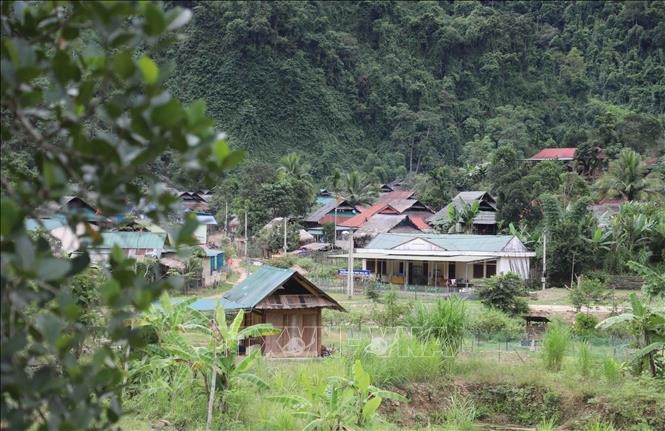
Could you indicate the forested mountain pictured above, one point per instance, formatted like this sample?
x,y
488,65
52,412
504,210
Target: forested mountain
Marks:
x,y
412,86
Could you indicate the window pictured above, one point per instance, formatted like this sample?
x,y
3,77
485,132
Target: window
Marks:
x,y
477,270
491,268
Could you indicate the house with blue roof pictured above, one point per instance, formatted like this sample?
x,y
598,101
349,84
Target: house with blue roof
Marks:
x,y
441,260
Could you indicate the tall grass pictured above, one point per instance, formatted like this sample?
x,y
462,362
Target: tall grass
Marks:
x,y
584,359
555,344
546,425
611,369
446,321
460,414
403,359
597,425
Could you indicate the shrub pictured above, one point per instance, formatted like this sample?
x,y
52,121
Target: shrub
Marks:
x,y
394,310
555,343
505,292
446,321
587,292
585,324
491,323
584,359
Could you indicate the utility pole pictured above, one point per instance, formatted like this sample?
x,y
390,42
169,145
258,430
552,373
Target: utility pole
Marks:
x,y
226,218
543,279
285,246
335,221
245,235
349,276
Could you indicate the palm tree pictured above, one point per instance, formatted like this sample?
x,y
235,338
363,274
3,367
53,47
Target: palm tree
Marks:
x,y
626,178
292,166
358,189
648,328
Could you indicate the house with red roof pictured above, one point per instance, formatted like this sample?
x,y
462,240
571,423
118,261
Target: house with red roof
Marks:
x,y
396,211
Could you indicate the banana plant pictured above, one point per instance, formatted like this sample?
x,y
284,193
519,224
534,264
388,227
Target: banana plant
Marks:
x,y
341,404
648,327
171,317
221,353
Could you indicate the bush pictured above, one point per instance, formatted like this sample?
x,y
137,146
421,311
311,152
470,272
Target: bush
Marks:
x,y
587,292
446,321
585,324
555,344
393,311
494,324
505,292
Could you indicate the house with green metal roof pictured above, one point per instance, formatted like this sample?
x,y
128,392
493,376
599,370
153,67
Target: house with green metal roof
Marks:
x,y
288,301
443,260
132,243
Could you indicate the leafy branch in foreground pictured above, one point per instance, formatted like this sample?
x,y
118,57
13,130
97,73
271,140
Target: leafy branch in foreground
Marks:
x,y
81,91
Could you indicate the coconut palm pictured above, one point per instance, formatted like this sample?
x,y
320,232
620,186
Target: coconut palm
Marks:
x,y
627,178
358,189
648,327
292,166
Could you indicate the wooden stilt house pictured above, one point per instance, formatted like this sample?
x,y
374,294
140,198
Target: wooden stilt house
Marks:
x,y
288,301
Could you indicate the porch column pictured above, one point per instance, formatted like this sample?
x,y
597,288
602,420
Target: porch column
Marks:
x,y
484,269
376,268
436,264
406,274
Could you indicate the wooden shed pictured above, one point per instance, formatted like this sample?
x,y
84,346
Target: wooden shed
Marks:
x,y
288,301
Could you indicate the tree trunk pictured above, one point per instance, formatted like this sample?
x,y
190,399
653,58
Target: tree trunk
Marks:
x,y
211,399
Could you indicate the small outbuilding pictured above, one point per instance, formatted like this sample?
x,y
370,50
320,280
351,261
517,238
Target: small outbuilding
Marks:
x,y
285,299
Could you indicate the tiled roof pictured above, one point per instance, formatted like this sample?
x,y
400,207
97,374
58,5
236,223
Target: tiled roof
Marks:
x,y
383,202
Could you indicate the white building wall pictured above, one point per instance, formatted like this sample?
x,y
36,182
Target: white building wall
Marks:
x,y
518,265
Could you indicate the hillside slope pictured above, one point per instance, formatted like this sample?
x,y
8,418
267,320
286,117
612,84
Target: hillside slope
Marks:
x,y
340,81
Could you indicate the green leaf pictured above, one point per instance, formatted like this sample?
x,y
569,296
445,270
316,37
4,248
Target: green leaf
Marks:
x,y
169,114
123,64
361,377
166,303
155,22
220,319
10,216
220,149
149,69
371,407
235,325
253,378
52,268
64,69
50,326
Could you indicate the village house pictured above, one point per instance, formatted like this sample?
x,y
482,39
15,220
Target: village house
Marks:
x,y
285,299
397,211
137,245
443,259
484,223
336,210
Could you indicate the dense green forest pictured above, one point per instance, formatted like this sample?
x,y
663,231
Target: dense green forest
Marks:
x,y
413,86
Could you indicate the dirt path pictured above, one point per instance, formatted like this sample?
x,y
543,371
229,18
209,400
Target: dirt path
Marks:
x,y
568,311
235,265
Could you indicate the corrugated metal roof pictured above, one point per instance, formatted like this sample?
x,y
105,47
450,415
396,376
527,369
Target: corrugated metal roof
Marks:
x,y
319,213
206,219
131,240
380,205
49,223
450,242
554,154
462,198
258,285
